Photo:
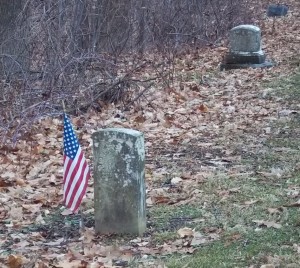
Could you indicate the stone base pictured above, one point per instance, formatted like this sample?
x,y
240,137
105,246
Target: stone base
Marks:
x,y
231,66
245,58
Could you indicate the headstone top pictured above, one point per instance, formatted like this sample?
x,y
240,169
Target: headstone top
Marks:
x,y
246,27
277,10
127,131
245,38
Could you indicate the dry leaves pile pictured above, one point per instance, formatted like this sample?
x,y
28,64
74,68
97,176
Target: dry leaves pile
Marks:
x,y
204,122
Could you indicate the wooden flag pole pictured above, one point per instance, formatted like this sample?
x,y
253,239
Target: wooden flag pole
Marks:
x,y
63,105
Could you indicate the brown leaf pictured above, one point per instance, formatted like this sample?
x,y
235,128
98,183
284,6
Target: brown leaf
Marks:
x,y
20,182
41,264
185,232
162,199
71,264
14,261
140,119
4,183
203,108
33,208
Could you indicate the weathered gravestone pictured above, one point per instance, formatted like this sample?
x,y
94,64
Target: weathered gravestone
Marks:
x,y
277,10
120,199
245,49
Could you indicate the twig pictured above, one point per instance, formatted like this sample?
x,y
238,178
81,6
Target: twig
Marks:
x,y
137,97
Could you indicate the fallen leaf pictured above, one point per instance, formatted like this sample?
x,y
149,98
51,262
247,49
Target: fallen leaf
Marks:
x,y
203,108
185,232
161,199
198,239
33,208
176,180
140,119
55,243
66,212
4,183
71,264
296,247
251,202
234,190
20,182
275,210
16,213
14,261
268,266
41,264
149,202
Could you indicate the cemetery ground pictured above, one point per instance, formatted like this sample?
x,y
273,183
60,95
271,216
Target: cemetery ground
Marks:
x,y
222,171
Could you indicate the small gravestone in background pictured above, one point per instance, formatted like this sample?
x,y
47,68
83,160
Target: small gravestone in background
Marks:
x,y
119,164
277,10
245,49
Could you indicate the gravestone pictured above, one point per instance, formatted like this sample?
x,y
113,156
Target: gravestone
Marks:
x,y
119,164
277,10
245,49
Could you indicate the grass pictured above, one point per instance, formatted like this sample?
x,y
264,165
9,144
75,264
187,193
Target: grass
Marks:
x,y
261,196
288,88
254,248
255,245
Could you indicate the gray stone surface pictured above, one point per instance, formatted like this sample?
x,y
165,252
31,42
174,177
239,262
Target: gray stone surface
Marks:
x,y
245,38
255,58
119,164
277,10
226,66
245,49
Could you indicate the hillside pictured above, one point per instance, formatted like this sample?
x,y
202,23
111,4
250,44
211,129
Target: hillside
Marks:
x,y
222,160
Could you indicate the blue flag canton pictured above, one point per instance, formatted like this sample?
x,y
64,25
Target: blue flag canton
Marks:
x,y
71,144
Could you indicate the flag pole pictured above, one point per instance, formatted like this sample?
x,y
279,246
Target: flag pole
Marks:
x,y
64,107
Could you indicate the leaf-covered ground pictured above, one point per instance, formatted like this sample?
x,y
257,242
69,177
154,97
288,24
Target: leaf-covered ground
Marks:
x,y
222,170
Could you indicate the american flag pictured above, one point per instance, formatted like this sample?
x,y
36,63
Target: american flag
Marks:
x,y
76,170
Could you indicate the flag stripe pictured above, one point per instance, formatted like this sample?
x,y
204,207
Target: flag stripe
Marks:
x,y
77,178
67,164
76,170
80,192
73,173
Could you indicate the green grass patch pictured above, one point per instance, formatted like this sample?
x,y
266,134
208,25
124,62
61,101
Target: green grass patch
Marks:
x,y
233,205
167,218
288,87
254,248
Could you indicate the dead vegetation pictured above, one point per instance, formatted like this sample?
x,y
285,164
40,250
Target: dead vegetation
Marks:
x,y
222,169
90,53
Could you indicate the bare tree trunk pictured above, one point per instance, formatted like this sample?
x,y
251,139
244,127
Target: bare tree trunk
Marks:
x,y
78,20
142,23
13,54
